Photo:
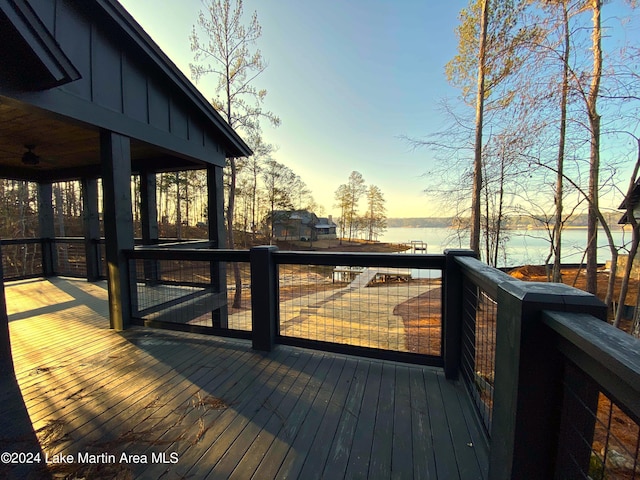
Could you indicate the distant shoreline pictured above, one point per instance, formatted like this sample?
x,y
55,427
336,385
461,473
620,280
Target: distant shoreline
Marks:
x,y
517,222
509,228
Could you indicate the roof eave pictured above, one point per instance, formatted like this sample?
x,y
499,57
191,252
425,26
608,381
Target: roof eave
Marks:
x,y
54,68
235,146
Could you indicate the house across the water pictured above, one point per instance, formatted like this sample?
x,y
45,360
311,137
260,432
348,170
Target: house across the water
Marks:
x,y
300,225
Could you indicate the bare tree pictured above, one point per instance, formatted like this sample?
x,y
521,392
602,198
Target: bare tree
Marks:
x,y
222,46
277,180
375,219
594,157
490,43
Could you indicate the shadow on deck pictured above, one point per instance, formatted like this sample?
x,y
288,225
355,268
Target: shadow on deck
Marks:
x,y
198,406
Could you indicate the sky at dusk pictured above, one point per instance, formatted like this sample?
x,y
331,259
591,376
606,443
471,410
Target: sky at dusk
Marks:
x,y
347,80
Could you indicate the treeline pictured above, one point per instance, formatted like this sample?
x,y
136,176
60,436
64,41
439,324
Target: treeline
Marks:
x,y
263,185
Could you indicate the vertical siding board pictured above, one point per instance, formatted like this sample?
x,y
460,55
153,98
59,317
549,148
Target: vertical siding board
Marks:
x,y
179,120
106,73
73,33
134,91
158,107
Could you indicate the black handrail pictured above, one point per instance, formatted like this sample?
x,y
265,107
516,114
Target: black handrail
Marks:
x,y
196,254
20,241
605,353
361,259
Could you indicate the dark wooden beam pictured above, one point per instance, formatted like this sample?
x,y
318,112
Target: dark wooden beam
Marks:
x,y
115,151
6,361
217,237
91,225
47,228
264,297
148,208
149,220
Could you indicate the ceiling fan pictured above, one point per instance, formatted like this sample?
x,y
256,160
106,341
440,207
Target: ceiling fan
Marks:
x,y
30,158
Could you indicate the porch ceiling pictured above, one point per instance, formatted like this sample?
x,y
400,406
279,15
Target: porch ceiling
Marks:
x,y
65,149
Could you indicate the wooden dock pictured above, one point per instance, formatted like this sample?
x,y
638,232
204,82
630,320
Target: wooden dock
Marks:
x,y
214,408
363,277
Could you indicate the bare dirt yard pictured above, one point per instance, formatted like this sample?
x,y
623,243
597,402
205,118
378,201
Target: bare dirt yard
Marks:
x,y
575,277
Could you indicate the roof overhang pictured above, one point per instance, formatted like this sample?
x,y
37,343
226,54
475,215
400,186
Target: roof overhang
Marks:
x,y
28,49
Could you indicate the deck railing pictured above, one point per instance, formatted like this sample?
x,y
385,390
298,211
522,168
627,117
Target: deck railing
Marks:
x,y
44,257
381,305
556,387
186,288
351,303
22,258
600,420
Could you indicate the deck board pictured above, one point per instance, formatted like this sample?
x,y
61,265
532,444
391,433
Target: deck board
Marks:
x,y
402,440
422,447
224,409
358,466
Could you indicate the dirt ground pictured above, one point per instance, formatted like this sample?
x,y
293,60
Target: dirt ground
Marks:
x,y
576,277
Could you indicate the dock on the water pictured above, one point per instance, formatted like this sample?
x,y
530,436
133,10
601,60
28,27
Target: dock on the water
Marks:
x,y
363,277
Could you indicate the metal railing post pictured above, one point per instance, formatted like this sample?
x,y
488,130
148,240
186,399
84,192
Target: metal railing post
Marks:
x,y
264,297
528,389
452,312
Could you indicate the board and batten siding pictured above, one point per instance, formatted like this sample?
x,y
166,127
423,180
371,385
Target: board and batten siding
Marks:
x,y
133,93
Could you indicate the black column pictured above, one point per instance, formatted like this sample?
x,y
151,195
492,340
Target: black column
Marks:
x,y
452,312
264,297
91,226
47,229
6,361
115,152
149,208
149,219
527,401
217,238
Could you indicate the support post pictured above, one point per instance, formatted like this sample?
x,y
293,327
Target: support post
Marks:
x,y
452,312
47,229
264,297
6,360
528,392
149,222
218,239
115,152
91,226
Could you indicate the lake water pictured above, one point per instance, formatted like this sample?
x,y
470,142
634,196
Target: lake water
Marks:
x,y
523,246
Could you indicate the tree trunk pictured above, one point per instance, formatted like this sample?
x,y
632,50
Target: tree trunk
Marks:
x,y
498,223
594,160
557,229
477,160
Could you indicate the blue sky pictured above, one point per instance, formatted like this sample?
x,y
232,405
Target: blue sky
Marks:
x,y
346,78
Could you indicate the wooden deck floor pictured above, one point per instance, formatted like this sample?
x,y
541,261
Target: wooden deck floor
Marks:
x,y
217,408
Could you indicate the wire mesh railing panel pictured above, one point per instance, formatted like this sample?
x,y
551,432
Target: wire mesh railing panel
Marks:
x,y
189,292
599,440
478,348
238,276
21,260
71,259
388,308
